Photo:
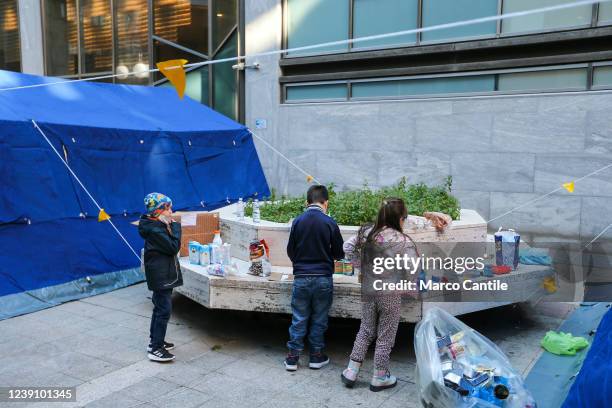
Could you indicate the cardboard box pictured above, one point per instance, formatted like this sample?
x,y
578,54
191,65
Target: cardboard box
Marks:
x,y
196,226
201,238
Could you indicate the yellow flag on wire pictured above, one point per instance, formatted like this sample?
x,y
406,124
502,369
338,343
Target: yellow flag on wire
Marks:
x,y
549,284
103,216
569,186
174,71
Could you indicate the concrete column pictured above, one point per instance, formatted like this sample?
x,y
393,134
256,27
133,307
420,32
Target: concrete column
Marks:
x,y
30,28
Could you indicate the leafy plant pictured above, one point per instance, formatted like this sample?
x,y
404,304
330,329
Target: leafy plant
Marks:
x,y
356,207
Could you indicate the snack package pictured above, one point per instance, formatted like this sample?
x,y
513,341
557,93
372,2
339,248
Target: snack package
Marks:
x,y
457,367
259,254
216,270
343,267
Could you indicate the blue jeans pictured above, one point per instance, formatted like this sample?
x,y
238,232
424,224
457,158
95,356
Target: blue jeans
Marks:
x,y
310,302
162,307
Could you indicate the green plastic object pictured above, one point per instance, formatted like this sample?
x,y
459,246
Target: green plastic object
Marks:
x,y
563,343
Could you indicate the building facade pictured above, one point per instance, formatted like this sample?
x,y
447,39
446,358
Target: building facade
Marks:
x,y
510,109
91,38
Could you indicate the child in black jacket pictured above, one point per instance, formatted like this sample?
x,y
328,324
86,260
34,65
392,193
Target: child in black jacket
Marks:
x,y
314,243
162,244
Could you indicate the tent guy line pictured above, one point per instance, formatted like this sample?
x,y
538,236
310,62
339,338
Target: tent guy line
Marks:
x,y
455,24
84,188
597,236
309,177
550,193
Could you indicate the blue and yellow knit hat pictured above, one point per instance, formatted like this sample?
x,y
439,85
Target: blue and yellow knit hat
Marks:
x,y
155,203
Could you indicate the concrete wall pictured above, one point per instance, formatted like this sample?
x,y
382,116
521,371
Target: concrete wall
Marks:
x,y
501,151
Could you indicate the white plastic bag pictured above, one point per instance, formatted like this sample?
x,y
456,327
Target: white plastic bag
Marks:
x,y
457,367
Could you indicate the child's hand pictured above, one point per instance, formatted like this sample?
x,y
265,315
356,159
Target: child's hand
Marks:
x,y
165,219
439,220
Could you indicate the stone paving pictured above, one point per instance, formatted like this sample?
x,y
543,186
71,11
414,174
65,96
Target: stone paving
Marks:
x,y
224,358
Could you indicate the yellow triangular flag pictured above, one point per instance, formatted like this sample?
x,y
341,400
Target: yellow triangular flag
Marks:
x,y
549,284
103,216
309,179
569,186
174,71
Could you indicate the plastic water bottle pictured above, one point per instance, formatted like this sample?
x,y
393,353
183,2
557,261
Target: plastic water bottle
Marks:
x,y
217,239
240,209
256,213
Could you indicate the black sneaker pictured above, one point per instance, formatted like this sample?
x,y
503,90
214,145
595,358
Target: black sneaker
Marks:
x,y
318,360
291,362
161,355
167,346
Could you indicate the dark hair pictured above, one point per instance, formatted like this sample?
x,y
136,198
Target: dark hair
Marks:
x,y
391,211
317,194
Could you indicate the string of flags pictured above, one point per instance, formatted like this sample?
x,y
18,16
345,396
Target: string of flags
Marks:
x,y
569,186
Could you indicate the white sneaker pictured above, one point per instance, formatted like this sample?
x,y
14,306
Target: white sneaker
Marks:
x,y
349,376
381,380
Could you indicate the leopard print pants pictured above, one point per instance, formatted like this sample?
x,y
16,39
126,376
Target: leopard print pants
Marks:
x,y
380,318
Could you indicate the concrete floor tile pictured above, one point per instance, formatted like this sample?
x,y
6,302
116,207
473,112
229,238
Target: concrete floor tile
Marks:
x,y
106,349
115,400
233,389
181,398
191,350
243,370
80,366
222,403
150,389
212,361
181,373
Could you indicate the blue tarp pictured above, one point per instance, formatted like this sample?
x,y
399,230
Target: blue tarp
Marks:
x,y
123,142
593,386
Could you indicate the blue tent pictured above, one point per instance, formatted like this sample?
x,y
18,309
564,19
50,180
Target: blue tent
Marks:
x,y
122,142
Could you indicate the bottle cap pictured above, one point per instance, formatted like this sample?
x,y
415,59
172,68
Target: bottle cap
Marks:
x,y
217,231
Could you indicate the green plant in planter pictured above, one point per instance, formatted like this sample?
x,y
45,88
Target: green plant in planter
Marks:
x,y
356,207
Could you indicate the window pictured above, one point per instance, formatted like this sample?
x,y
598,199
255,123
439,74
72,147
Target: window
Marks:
x,y
537,79
183,22
317,21
225,79
549,80
96,36
570,17
223,20
10,51
372,17
317,92
602,76
61,37
437,12
131,30
605,13
424,86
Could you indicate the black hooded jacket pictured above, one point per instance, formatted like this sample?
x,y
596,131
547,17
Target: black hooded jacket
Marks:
x,y
162,268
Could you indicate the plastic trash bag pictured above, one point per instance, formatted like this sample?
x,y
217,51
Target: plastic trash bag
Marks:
x,y
457,367
563,343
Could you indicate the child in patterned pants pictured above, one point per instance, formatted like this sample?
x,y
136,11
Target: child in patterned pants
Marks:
x,y
380,314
